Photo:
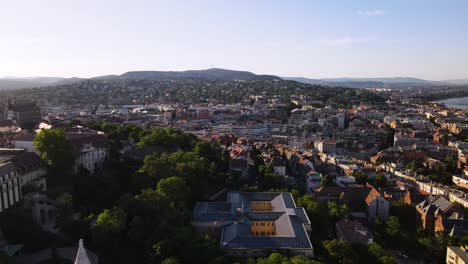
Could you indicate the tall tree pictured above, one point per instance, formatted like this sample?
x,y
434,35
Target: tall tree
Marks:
x,y
339,251
174,189
55,149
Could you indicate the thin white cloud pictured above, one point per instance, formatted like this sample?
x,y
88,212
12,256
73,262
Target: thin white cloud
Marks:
x,y
345,41
373,12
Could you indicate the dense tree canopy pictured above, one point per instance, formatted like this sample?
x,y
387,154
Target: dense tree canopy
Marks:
x,y
339,251
55,149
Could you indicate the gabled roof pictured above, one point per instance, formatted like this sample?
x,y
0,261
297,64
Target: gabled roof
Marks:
x,y
435,204
6,167
7,123
373,194
78,140
417,195
23,135
354,231
461,253
456,227
26,162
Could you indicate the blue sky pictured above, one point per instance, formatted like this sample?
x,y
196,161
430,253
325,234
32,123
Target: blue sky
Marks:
x,y
315,39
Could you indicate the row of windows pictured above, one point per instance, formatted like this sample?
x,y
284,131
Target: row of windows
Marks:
x,y
263,224
7,177
261,203
264,233
94,154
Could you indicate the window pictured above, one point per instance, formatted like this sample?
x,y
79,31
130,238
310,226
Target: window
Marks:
x,y
263,233
262,224
256,223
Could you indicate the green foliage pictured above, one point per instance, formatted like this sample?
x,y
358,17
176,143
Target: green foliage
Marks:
x,y
452,164
55,149
435,245
277,258
379,254
104,187
337,212
17,225
73,228
327,181
107,233
360,177
268,178
168,137
196,171
174,189
339,251
111,221
406,215
319,217
170,260
380,181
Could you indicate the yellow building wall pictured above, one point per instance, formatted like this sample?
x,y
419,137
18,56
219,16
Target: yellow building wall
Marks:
x,y
260,206
263,228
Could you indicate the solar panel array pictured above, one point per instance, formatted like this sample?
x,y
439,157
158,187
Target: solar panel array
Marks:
x,y
266,242
264,215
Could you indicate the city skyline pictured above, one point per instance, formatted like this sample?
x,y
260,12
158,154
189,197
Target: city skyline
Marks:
x,y
320,39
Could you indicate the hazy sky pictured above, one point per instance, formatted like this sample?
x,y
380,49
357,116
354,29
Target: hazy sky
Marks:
x,y
346,38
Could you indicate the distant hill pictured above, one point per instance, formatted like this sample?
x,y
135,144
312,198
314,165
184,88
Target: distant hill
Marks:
x,y
21,83
306,80
106,77
230,75
391,82
209,74
458,81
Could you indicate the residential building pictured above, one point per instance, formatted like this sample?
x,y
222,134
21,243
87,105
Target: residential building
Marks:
x,y
23,139
43,209
25,113
90,149
20,172
278,164
461,181
455,226
31,169
377,206
10,187
239,160
415,196
8,126
457,255
327,146
362,201
250,224
435,206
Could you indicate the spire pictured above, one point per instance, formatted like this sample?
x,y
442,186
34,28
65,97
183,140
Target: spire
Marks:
x,y
82,256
